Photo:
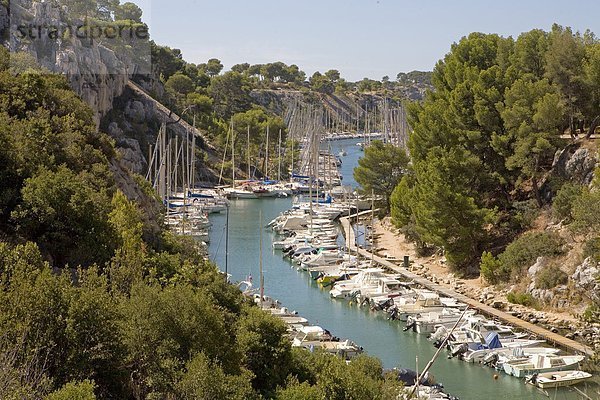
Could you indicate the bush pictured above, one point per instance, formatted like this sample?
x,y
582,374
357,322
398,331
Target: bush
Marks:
x,y
563,201
592,313
524,299
74,391
586,211
550,277
525,213
526,249
492,269
592,248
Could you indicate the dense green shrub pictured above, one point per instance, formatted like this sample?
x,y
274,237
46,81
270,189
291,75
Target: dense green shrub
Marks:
x,y
586,211
492,269
74,391
550,277
592,313
592,248
524,299
525,213
563,201
519,254
527,248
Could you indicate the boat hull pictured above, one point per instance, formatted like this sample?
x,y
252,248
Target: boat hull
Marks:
x,y
560,379
523,370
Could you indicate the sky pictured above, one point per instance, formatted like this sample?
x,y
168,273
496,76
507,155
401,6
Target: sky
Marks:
x,y
360,38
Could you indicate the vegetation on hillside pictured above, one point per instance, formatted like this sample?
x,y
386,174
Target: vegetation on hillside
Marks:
x,y
91,306
218,99
485,138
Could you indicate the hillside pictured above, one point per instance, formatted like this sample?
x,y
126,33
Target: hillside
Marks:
x,y
97,297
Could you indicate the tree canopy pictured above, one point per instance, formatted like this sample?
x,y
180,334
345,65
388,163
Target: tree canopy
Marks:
x,y
485,138
381,169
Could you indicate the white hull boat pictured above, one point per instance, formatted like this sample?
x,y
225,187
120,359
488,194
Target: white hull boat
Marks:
x,y
556,379
540,363
487,355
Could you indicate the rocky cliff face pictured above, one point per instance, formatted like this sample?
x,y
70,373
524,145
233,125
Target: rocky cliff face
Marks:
x,y
94,71
344,108
4,23
134,123
575,163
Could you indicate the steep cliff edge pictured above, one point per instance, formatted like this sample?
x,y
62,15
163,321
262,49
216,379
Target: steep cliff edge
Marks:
x,y
343,107
94,71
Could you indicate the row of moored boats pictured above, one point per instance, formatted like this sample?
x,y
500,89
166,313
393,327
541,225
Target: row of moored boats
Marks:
x,y
309,236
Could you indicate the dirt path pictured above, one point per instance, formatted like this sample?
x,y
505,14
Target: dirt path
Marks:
x,y
389,242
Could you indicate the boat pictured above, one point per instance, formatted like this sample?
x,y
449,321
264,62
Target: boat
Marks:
x,y
540,363
491,356
310,333
368,277
428,322
556,379
424,301
346,349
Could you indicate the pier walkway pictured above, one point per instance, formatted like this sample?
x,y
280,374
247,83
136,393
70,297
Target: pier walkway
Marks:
x,y
551,337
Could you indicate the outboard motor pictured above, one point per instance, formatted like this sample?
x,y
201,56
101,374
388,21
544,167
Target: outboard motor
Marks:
x,y
364,301
393,313
381,305
490,359
460,351
354,295
409,377
439,333
410,324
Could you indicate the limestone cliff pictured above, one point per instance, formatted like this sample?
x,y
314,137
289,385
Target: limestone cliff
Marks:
x,y
94,71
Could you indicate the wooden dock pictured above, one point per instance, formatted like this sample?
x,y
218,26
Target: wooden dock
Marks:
x,y
551,337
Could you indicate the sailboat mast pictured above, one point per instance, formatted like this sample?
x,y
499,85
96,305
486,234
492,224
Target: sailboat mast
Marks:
x,y
232,155
372,225
193,174
292,162
248,151
162,178
267,155
260,265
224,157
279,158
176,166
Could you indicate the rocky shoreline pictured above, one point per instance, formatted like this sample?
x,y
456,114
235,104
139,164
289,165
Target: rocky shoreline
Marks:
x,y
433,269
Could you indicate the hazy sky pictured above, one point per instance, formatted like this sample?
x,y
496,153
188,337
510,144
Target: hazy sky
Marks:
x,y
361,38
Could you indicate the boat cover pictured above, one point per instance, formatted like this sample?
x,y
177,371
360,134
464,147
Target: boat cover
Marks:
x,y
492,341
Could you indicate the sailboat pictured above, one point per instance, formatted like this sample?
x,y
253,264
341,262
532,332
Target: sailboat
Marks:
x,y
245,191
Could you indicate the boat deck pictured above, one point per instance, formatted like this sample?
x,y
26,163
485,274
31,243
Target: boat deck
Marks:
x,y
551,337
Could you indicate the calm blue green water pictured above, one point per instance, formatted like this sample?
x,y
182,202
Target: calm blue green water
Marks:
x,y
379,337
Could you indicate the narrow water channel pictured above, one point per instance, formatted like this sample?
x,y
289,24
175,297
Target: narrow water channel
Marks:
x,y
379,337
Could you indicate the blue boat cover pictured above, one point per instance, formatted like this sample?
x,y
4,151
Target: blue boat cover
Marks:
x,y
492,341
300,176
200,196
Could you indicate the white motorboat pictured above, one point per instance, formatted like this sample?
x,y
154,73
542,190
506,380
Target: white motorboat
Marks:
x,y
345,349
234,193
556,379
424,301
346,289
490,356
310,333
464,340
428,322
540,363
